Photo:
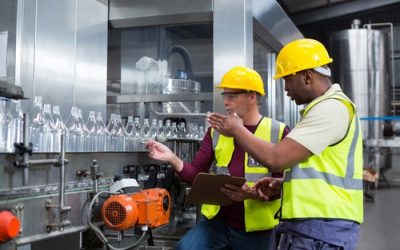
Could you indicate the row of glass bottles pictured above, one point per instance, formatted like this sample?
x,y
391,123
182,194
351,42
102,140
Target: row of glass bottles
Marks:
x,y
11,121
46,127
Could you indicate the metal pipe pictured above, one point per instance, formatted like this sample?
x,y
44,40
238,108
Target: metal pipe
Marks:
x,y
25,172
180,114
93,173
42,161
62,173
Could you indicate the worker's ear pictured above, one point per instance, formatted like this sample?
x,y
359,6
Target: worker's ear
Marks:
x,y
307,76
253,95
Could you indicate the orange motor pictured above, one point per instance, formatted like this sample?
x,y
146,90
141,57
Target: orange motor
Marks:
x,y
149,207
9,226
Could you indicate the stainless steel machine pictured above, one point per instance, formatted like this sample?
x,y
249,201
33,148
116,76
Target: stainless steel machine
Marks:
x,y
363,65
151,59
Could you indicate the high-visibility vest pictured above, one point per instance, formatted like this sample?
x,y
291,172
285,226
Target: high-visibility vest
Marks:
x,y
259,215
328,185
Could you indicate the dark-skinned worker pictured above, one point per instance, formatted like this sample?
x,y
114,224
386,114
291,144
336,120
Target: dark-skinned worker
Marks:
x,y
322,191
248,222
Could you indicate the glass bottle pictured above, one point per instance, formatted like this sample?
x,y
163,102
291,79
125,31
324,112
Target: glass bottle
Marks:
x,y
81,132
137,128
72,130
101,133
145,135
201,132
182,130
189,131
112,133
58,128
174,131
36,124
195,132
129,138
46,144
167,128
160,131
3,124
153,129
120,136
136,133
91,137
129,126
14,118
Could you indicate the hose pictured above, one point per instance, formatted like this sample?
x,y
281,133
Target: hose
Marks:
x,y
187,59
100,234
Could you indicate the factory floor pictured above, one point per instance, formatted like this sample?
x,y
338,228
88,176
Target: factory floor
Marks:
x,y
381,227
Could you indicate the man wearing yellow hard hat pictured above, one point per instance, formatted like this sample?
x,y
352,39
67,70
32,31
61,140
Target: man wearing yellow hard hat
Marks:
x,y
246,223
322,197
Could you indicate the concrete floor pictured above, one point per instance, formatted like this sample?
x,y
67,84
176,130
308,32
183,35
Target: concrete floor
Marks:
x,y
381,227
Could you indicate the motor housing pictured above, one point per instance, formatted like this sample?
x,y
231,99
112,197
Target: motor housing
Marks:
x,y
150,207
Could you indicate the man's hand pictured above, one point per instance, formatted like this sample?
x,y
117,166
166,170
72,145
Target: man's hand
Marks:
x,y
240,193
268,187
159,151
225,124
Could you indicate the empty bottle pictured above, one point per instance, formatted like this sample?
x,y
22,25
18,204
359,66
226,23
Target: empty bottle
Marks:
x,y
153,129
36,124
112,132
120,136
14,120
129,138
145,130
201,132
160,131
46,145
81,132
58,128
70,125
101,133
91,136
182,130
137,134
174,131
137,128
75,133
3,124
168,129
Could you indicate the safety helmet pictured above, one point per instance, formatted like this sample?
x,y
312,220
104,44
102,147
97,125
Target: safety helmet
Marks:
x,y
241,77
299,55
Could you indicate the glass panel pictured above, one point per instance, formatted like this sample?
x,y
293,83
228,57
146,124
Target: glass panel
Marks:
x,y
161,60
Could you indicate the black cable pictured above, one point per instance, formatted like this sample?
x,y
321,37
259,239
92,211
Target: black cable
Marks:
x,y
150,240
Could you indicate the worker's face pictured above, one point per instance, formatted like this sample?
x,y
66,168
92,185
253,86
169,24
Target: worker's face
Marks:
x,y
295,87
235,101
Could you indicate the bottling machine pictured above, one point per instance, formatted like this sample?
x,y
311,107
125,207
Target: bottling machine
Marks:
x,y
140,62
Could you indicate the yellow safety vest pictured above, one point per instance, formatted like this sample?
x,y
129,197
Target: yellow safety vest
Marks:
x,y
328,185
259,215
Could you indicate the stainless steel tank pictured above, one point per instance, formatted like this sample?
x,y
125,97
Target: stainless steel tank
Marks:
x,y
361,66
180,86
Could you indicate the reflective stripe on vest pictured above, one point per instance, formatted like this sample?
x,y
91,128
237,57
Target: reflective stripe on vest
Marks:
x,y
328,185
259,215
346,182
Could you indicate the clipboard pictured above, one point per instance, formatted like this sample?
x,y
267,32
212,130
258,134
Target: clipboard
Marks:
x,y
206,189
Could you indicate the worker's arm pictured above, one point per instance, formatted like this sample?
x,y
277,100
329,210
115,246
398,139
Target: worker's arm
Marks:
x,y
276,157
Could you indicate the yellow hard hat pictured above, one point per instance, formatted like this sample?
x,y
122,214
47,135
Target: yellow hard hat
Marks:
x,y
299,55
241,77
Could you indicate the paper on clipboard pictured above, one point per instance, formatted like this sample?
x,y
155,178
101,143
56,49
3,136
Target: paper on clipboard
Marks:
x,y
206,189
